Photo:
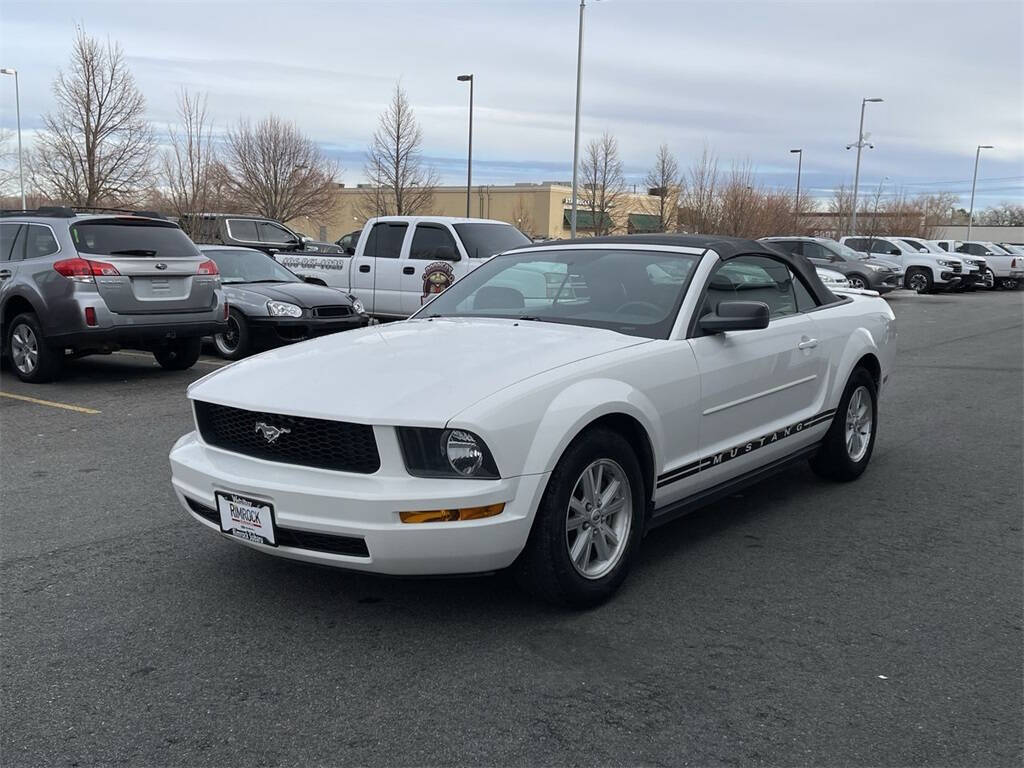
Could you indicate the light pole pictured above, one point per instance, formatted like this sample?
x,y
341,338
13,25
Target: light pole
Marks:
x,y
799,167
576,138
974,183
469,162
17,106
860,143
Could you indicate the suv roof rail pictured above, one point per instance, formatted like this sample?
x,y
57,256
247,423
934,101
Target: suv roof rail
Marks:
x,y
129,211
56,211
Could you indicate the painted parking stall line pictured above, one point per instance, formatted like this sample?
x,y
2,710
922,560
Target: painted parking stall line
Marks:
x,y
50,403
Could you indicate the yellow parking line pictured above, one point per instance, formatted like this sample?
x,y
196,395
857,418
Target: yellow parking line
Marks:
x,y
51,403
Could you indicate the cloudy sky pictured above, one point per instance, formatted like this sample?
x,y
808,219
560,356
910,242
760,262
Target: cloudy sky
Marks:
x,y
751,79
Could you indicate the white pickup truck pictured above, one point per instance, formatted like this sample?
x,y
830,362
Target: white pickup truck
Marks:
x,y
401,261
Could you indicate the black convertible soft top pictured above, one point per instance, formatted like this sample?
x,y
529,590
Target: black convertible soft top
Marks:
x,y
726,248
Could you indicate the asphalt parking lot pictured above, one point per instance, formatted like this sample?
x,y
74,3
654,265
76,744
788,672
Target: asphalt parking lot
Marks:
x,y
802,623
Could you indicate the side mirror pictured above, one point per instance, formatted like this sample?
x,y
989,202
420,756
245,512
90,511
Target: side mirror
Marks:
x,y
350,251
736,316
894,251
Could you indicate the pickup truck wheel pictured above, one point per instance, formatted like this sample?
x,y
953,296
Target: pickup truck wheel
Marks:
x,y
918,279
857,281
33,359
849,442
588,524
234,343
180,354
1009,283
989,279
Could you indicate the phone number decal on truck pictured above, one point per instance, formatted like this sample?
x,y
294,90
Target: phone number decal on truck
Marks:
x,y
313,262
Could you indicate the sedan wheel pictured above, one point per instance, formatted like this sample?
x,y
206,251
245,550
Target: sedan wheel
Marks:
x,y
859,423
989,279
234,342
598,519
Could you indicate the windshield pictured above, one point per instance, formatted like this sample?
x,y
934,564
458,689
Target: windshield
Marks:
x,y
636,292
106,237
250,267
484,240
997,250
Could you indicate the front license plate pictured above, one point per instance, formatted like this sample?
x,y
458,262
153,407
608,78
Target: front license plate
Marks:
x,y
246,518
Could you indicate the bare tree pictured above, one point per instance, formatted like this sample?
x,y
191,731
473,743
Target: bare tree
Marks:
x,y
698,200
1003,215
400,184
522,217
8,162
604,186
662,181
277,171
188,163
840,206
97,148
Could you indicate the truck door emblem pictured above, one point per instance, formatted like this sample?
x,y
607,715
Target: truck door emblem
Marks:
x,y
436,279
271,433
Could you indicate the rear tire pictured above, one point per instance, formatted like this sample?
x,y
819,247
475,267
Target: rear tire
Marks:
x,y
235,342
180,354
850,441
918,279
34,361
579,550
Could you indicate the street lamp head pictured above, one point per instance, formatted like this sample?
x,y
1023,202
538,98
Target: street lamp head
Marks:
x,y
875,100
8,71
795,151
464,78
985,146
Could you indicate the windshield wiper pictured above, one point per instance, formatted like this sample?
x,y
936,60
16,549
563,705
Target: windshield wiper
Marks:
x,y
532,317
270,280
133,252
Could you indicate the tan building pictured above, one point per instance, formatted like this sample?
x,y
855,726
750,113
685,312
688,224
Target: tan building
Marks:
x,y
539,210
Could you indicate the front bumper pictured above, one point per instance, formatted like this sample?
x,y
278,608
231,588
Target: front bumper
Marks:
x,y
351,506
884,283
285,330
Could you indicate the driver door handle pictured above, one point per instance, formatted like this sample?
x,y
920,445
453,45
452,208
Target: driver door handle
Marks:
x,y
364,267
409,270
807,344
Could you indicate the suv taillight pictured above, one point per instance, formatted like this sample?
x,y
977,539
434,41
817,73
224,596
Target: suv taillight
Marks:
x,y
84,269
208,267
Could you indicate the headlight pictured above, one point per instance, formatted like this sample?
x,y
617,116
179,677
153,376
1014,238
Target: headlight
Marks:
x,y
283,309
445,453
357,306
944,263
875,268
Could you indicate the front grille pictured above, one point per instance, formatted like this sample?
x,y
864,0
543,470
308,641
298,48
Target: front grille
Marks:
x,y
289,537
338,445
339,311
956,269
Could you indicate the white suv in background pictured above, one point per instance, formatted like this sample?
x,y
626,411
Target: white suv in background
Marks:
x,y
1007,268
924,272
977,269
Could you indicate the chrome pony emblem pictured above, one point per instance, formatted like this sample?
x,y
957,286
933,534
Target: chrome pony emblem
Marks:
x,y
270,433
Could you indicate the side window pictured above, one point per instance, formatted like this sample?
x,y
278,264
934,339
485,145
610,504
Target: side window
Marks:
x,y
8,234
804,300
881,246
815,251
273,233
243,229
858,244
790,246
433,242
39,242
756,278
385,241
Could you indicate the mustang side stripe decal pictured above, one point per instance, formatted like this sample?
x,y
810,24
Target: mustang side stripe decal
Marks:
x,y
742,450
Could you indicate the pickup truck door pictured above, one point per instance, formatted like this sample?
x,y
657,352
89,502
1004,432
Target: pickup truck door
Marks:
x,y
377,269
762,391
431,266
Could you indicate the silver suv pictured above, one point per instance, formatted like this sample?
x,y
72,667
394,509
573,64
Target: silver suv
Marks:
x,y
74,284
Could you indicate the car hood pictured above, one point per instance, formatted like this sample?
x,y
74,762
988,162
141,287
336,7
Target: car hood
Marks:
x,y
415,373
303,294
885,264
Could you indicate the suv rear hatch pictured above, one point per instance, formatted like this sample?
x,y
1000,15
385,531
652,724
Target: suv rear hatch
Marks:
x,y
147,265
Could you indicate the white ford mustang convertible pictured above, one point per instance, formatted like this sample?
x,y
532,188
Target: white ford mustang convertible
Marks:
x,y
543,413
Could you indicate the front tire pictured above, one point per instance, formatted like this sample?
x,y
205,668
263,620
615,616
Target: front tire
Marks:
x,y
236,341
588,525
918,279
180,354
989,279
850,441
34,361
857,281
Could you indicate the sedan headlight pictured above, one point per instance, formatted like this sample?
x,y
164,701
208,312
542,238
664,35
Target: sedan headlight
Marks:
x,y
445,453
283,309
876,268
357,306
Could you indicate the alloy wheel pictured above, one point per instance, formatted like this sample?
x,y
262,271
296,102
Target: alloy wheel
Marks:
x,y
856,282
989,278
228,340
859,423
599,518
918,281
24,349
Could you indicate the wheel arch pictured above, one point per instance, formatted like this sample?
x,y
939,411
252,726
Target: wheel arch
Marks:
x,y
14,306
861,352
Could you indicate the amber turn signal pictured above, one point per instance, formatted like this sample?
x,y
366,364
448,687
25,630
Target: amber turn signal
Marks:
x,y
452,515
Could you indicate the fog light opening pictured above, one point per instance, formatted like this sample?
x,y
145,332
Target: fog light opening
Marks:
x,y
452,515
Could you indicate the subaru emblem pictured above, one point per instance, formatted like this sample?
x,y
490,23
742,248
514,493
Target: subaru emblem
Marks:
x,y
161,265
